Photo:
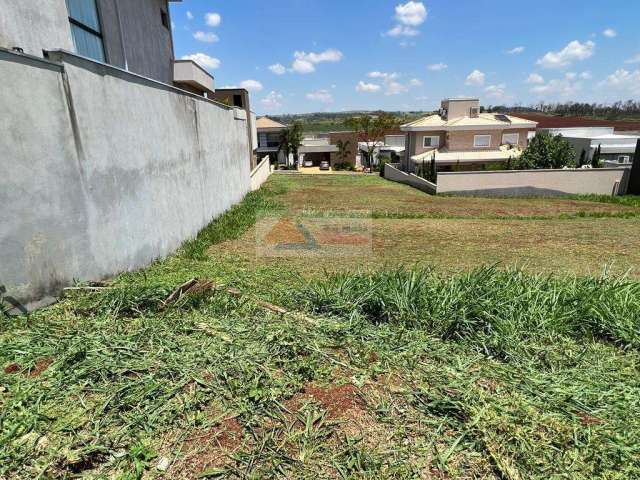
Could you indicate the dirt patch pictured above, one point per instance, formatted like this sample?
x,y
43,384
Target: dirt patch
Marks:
x,y
12,368
41,366
209,449
338,402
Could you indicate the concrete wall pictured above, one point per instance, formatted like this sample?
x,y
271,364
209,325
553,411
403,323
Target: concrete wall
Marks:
x,y
138,36
260,174
605,181
395,175
105,171
35,26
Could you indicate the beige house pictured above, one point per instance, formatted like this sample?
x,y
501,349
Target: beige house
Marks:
x,y
269,132
460,135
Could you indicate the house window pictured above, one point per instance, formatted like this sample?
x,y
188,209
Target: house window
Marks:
x,y
237,101
164,18
85,28
623,158
394,140
482,141
430,142
510,138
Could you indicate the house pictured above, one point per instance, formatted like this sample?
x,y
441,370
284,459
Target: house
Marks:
x,y
239,98
460,134
134,36
269,132
616,149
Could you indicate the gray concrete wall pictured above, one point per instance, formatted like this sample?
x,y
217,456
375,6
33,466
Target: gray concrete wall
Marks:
x,y
105,171
395,175
604,181
34,25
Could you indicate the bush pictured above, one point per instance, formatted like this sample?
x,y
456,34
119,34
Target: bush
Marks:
x,y
546,151
343,166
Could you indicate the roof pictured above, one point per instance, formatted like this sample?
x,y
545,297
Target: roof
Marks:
x,y
504,153
266,122
554,121
433,122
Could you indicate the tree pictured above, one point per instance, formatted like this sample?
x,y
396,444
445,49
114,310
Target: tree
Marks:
x,y
343,150
595,160
547,151
371,129
583,154
290,141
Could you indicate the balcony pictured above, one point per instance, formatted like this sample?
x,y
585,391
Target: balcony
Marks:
x,y
190,76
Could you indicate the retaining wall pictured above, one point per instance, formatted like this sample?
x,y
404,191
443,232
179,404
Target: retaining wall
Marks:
x,y
103,171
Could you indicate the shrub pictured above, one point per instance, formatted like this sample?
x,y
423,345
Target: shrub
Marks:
x,y
547,151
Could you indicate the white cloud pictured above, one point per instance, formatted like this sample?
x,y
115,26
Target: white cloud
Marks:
x,y
564,87
496,91
278,68
213,19
535,78
585,76
515,51
437,67
475,78
415,82
251,85
411,13
322,96
403,31
610,33
302,66
574,51
570,75
207,37
634,59
305,62
384,75
623,81
409,16
394,88
367,87
203,60
272,101
189,15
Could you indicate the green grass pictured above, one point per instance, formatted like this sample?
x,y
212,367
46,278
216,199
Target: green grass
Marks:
x,y
396,373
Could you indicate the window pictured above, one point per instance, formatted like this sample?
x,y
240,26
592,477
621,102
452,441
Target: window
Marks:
x,y
85,28
430,142
164,18
623,158
394,140
237,101
482,141
510,138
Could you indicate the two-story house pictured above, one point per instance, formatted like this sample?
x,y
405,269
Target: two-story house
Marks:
x,y
461,135
269,132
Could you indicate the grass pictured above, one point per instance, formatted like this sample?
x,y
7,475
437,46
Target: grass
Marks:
x,y
374,373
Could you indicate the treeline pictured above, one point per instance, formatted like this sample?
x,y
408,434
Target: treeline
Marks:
x,y
615,111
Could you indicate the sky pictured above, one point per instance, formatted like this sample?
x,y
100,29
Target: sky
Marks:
x,y
299,56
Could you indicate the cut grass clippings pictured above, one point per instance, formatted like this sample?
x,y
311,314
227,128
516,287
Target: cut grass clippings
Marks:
x,y
399,373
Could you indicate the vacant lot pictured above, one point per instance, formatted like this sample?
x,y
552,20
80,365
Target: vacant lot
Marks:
x,y
268,368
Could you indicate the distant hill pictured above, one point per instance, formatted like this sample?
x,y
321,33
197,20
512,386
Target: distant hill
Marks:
x,y
335,121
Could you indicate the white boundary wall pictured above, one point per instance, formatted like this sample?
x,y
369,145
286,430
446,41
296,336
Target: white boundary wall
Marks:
x,y
395,175
260,174
103,171
604,181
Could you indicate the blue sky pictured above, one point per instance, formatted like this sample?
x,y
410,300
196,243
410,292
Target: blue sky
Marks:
x,y
332,55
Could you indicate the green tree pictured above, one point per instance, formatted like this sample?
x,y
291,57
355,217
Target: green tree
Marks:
x,y
595,160
547,151
290,141
371,129
343,150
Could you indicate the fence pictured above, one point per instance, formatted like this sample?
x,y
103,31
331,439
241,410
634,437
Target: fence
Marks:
x,y
104,171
